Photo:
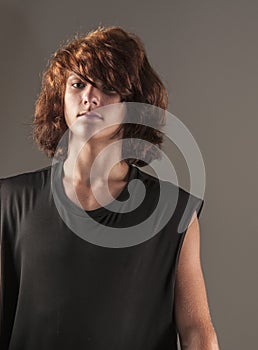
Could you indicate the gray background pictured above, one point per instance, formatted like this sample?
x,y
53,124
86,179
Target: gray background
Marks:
x,y
206,53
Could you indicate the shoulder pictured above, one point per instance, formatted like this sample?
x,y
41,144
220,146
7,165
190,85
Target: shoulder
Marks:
x,y
185,205
182,194
21,181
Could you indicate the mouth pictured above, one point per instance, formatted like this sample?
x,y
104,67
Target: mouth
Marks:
x,y
90,115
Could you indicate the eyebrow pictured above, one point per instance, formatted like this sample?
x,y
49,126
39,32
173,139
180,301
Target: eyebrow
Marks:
x,y
73,75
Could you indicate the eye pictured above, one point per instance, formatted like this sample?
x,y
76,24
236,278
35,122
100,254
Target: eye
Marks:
x,y
108,89
78,84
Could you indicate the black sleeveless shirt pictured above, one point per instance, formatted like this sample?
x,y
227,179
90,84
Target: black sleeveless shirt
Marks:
x,y
62,290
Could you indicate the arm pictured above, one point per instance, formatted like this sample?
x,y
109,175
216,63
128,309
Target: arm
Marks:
x,y
192,314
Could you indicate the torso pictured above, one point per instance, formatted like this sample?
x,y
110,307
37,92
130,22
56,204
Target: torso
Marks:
x,y
87,295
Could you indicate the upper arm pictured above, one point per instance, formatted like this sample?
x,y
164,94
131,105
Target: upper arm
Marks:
x,y
191,305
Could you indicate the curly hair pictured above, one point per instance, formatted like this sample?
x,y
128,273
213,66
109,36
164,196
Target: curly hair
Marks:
x,y
118,59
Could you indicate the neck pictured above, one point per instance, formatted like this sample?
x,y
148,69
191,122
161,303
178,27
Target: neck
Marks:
x,y
86,165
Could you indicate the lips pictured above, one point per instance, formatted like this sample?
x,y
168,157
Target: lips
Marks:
x,y
90,115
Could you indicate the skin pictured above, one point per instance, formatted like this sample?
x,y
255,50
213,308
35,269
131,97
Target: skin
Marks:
x,y
192,314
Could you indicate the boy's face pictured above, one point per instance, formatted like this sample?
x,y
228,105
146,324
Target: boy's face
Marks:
x,y
80,101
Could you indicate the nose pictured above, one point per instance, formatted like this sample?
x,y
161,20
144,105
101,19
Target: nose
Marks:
x,y
90,98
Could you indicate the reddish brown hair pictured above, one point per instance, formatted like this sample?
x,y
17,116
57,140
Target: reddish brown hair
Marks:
x,y
118,59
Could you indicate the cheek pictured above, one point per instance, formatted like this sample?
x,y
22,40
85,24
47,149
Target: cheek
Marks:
x,y
68,110
113,99
69,101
